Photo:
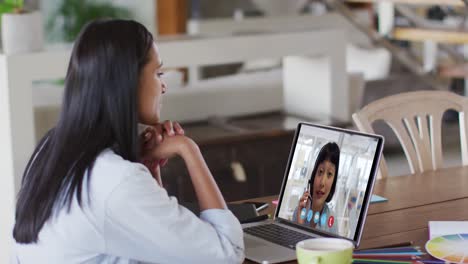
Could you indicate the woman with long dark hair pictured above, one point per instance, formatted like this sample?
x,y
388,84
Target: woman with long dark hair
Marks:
x,y
86,197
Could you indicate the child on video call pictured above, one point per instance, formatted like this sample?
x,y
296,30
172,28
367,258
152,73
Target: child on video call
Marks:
x,y
312,209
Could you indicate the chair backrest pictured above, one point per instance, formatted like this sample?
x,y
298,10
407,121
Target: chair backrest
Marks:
x,y
416,119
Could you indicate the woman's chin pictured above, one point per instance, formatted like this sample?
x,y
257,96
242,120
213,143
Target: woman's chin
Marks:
x,y
320,203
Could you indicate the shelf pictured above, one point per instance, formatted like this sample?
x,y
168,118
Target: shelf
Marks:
x,y
414,2
441,36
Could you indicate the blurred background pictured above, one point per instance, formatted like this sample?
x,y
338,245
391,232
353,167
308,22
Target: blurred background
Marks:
x,y
241,75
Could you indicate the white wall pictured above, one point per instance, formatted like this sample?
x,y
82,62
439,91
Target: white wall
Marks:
x,y
143,10
7,184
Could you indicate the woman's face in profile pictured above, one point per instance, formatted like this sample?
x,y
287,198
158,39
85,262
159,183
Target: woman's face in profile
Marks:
x,y
150,89
323,182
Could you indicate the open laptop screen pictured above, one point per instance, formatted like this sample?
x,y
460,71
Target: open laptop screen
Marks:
x,y
329,177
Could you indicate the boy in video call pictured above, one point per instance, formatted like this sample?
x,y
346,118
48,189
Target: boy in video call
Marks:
x,y
312,209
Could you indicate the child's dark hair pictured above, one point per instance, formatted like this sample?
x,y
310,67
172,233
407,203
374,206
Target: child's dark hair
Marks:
x,y
330,152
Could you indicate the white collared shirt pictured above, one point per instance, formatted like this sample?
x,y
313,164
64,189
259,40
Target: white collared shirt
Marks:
x,y
128,218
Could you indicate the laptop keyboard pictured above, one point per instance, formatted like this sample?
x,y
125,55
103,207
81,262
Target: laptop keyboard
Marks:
x,y
277,234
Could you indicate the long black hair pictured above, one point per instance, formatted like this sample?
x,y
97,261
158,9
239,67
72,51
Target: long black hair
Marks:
x,y
99,111
330,152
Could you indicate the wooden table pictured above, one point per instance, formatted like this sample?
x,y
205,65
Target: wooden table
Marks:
x,y
413,200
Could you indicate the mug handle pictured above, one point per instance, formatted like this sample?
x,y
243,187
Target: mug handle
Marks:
x,y
315,260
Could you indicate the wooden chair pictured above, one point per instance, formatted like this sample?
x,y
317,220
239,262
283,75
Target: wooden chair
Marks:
x,y
416,119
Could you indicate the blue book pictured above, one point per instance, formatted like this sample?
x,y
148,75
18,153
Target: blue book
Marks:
x,y
377,199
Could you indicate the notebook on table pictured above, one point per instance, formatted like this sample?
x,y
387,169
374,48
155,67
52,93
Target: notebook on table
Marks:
x,y
324,213
441,228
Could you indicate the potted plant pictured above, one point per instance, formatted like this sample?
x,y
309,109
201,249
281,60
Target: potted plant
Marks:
x,y
70,16
21,30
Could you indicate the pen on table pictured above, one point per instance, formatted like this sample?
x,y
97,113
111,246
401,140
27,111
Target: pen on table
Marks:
x,y
379,261
388,256
430,261
403,244
375,261
385,251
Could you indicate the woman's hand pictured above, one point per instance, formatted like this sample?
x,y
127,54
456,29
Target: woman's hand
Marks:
x,y
301,205
208,194
172,146
303,200
151,138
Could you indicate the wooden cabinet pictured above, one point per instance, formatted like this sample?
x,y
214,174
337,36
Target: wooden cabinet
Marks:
x,y
262,161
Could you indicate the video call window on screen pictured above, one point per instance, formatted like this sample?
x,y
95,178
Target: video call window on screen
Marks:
x,y
327,180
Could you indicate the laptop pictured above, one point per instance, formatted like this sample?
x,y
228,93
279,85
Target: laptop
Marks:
x,y
326,190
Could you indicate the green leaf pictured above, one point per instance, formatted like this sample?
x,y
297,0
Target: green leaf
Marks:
x,y
74,14
6,7
14,3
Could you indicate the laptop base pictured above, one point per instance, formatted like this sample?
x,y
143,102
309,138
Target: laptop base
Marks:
x,y
261,251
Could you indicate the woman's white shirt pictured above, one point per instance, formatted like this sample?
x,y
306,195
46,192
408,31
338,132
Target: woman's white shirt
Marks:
x,y
126,217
